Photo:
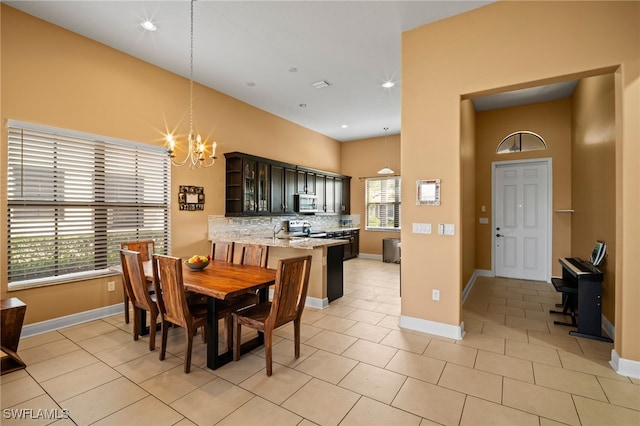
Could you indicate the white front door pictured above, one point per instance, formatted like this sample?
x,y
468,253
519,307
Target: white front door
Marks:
x,y
521,220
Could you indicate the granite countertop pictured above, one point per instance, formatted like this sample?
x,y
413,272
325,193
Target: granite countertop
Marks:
x,y
284,241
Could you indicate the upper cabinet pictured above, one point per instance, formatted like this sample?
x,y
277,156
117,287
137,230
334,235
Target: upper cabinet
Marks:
x,y
260,186
306,182
283,189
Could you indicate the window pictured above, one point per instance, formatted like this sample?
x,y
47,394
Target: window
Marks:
x,y
72,198
383,203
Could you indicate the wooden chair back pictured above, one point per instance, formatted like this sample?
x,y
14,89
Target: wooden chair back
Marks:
x,y
222,250
255,255
290,291
172,301
134,279
146,248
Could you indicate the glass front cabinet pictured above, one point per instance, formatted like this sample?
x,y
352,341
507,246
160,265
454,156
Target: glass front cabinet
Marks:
x,y
260,186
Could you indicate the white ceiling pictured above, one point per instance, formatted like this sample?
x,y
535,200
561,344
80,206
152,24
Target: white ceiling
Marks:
x,y
354,45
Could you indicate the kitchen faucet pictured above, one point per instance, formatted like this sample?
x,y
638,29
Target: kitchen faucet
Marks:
x,y
276,230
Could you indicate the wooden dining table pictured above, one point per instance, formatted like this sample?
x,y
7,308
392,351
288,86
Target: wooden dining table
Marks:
x,y
222,281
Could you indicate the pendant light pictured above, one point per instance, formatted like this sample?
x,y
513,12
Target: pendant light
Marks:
x,y
196,146
385,170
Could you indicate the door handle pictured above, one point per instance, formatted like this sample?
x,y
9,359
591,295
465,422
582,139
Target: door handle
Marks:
x,y
499,235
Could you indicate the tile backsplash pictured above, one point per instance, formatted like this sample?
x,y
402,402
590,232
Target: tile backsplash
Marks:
x,y
221,226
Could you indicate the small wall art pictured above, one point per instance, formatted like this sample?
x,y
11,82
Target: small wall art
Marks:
x,y
191,198
428,192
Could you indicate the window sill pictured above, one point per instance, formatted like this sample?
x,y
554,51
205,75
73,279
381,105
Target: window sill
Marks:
x,y
65,279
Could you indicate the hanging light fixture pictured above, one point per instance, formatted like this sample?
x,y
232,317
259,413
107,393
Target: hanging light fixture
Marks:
x,y
196,151
385,170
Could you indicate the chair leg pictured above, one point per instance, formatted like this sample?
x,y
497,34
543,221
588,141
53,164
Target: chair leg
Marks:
x,y
268,340
187,359
153,319
136,323
126,306
163,345
296,338
236,337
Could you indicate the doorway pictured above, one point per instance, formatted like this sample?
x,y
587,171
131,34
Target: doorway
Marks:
x,y
521,197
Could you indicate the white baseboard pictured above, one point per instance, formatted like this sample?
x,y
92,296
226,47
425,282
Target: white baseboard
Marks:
x,y
625,367
432,327
477,273
69,320
370,256
608,328
312,302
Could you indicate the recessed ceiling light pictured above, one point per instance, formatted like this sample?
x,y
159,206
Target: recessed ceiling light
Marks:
x,y
148,25
302,105
251,84
388,84
293,69
344,126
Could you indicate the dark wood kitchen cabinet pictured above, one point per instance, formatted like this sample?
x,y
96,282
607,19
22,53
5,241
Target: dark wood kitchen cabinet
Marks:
x,y
346,195
306,182
247,185
260,186
283,189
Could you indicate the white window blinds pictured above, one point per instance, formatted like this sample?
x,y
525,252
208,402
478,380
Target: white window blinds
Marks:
x,y
383,203
73,197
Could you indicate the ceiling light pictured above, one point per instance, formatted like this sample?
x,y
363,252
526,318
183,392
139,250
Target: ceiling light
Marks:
x,y
196,149
251,84
388,84
344,126
302,105
148,25
385,170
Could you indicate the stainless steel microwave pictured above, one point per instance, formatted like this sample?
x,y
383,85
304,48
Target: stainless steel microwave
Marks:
x,y
305,203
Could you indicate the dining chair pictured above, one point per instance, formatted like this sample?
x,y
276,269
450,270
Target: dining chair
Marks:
x,y
144,247
289,296
172,303
136,284
222,250
255,255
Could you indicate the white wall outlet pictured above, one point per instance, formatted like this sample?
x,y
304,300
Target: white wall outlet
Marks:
x,y
111,286
435,294
449,229
421,228
484,220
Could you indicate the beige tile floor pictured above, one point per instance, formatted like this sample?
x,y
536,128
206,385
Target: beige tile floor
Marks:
x,y
357,367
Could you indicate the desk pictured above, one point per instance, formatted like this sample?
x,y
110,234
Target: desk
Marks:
x,y
221,281
13,311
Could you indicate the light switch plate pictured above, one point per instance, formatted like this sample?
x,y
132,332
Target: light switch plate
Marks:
x,y
449,229
484,220
421,228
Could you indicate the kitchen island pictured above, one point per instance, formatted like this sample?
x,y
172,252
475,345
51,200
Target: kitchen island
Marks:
x,y
326,276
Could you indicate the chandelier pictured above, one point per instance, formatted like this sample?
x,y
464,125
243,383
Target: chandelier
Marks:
x,y
385,170
196,152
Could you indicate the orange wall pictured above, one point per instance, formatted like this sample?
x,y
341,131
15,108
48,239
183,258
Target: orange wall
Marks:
x,y
552,121
486,51
53,77
364,158
468,177
594,173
